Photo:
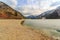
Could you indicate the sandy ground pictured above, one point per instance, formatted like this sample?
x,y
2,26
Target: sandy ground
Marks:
x,y
13,30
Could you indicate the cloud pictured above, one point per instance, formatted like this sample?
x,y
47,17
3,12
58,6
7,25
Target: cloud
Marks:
x,y
31,7
35,7
55,3
30,11
12,3
42,4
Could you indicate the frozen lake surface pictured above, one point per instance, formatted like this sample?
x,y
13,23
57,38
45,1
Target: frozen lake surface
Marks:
x,y
44,23
52,25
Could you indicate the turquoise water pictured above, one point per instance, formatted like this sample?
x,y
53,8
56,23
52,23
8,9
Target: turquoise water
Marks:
x,y
52,26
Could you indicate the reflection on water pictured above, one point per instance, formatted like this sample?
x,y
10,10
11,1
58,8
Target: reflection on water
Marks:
x,y
50,25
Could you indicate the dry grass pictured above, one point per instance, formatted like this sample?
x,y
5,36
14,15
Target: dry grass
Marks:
x,y
13,30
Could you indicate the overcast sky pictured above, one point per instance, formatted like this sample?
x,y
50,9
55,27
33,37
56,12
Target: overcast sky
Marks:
x,y
32,7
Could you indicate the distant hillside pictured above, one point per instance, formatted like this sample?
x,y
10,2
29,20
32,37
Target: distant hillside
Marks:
x,y
6,12
50,14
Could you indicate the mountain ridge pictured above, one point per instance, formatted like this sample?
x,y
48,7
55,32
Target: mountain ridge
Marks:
x,y
50,14
6,12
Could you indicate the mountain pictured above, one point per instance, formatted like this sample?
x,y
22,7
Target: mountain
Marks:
x,y
46,14
31,17
50,14
6,12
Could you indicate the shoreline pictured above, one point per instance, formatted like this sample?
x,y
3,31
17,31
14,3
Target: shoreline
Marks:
x,y
13,30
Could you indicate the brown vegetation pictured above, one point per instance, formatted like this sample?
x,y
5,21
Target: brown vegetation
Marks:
x,y
8,12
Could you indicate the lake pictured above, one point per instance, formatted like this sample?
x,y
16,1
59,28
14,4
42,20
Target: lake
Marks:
x,y
50,26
